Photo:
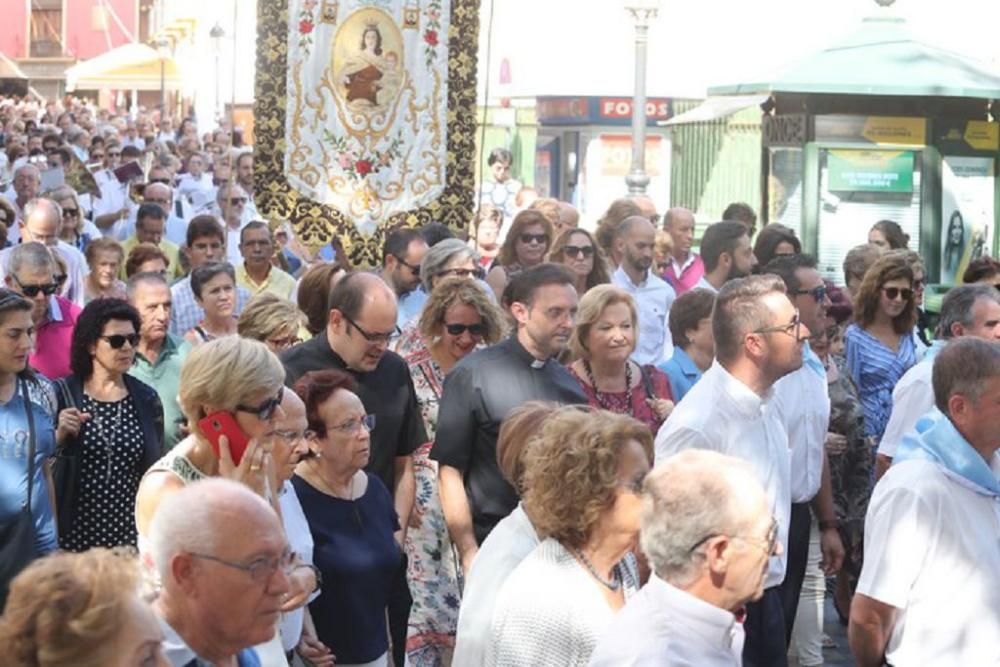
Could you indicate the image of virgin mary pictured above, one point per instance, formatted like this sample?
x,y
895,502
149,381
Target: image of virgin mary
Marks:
x,y
363,72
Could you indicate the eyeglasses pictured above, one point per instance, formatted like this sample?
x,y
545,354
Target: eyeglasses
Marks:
x,y
284,343
893,293
770,541
114,154
373,337
459,329
534,238
293,436
793,328
70,212
97,156
237,201
817,293
260,569
575,251
352,426
117,341
31,291
265,410
164,181
462,273
414,269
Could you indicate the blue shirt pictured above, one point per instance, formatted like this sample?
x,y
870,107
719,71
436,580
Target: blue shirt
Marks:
x,y
682,371
409,306
875,370
14,446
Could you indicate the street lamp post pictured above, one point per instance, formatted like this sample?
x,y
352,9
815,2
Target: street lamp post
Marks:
x,y
642,12
217,34
162,48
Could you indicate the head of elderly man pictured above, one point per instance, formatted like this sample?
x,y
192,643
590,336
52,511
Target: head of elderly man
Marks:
x,y
223,561
27,183
42,221
707,528
966,383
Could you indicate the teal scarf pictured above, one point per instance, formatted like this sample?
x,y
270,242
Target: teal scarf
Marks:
x,y
936,439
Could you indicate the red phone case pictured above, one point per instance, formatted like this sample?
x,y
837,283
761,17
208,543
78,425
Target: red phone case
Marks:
x,y
223,423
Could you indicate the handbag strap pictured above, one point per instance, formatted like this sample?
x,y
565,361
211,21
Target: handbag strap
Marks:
x,y
31,438
67,395
647,383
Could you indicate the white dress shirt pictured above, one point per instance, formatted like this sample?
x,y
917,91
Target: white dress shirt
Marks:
x,y
76,268
932,551
912,398
663,626
722,414
802,399
653,298
301,542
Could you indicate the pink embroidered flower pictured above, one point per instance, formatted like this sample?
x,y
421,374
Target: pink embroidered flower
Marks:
x,y
431,37
305,27
345,161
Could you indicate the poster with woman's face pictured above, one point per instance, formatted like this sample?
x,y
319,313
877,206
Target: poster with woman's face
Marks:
x,y
967,214
368,60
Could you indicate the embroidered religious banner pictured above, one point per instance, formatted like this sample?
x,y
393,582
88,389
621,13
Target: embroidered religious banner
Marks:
x,y
365,117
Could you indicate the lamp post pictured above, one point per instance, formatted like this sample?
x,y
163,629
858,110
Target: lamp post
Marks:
x,y
642,12
162,45
217,34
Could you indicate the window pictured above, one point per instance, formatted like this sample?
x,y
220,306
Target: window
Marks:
x,y
46,28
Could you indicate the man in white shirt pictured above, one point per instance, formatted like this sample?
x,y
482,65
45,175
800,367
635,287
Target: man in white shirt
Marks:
x,y
967,310
707,531
758,340
929,590
803,401
27,185
232,200
634,242
726,253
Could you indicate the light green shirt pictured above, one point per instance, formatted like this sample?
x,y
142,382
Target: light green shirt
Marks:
x,y
165,377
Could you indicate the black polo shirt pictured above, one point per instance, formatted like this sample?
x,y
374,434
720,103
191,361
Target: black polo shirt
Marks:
x,y
386,392
478,393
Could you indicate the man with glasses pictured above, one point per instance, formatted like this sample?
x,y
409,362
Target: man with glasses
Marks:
x,y
27,185
802,398
758,340
361,324
30,273
257,273
707,530
685,268
232,202
224,565
402,254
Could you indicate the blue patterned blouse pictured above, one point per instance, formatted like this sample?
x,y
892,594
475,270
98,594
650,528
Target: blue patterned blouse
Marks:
x,y
875,370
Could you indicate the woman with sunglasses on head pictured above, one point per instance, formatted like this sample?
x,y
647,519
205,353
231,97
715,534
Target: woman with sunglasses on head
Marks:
x,y
879,345
526,245
352,520
111,423
577,249
457,318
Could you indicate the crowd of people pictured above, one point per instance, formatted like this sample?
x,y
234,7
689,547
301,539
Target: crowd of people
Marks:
x,y
535,446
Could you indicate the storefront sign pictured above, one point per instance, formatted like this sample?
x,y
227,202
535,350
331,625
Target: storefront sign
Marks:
x,y
870,171
878,130
599,110
621,107
787,131
967,213
982,136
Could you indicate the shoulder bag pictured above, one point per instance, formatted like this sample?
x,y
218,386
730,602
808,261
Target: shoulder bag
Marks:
x,y
63,469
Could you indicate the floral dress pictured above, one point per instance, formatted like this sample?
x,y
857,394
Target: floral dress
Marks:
x,y
431,571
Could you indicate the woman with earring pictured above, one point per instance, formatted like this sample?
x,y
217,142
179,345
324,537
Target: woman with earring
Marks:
x,y
578,250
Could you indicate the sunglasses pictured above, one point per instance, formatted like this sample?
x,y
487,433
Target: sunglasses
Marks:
x,y
265,410
163,181
414,269
71,212
117,341
236,201
818,293
893,293
459,329
534,238
31,291
462,273
575,251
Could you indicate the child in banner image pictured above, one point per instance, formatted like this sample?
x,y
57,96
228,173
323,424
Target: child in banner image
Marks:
x,y
363,73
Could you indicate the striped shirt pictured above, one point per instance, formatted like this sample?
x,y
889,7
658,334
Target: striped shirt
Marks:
x,y
876,369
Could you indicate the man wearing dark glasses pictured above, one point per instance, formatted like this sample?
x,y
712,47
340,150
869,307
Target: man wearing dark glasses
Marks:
x,y
32,275
402,254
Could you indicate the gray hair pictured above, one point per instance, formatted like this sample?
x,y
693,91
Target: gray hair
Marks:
x,y
32,255
439,256
28,167
144,278
687,498
43,205
956,308
963,367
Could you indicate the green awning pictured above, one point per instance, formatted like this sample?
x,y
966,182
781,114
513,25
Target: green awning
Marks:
x,y
880,58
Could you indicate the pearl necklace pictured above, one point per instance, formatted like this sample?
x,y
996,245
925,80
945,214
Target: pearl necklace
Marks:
x,y
612,585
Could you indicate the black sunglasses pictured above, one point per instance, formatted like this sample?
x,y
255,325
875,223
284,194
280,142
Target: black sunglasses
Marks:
x,y
459,329
893,293
70,212
575,251
462,273
537,238
265,410
31,291
235,201
818,293
117,341
414,269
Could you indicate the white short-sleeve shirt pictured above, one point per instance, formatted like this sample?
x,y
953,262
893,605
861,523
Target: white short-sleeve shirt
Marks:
x,y
912,398
802,399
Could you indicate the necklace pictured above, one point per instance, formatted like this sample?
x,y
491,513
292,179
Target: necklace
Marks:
x,y
350,493
102,433
612,585
606,404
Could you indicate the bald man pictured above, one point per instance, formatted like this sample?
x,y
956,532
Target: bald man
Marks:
x,y
685,268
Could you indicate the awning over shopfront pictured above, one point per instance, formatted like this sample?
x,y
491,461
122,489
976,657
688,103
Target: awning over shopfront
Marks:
x,y
128,67
10,70
715,108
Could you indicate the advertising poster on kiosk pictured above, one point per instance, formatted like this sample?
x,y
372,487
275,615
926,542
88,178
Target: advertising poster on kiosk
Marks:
x,y
967,213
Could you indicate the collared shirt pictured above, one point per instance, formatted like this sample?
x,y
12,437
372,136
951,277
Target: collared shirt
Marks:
x,y
912,398
300,541
722,414
169,249
53,337
179,654
277,282
684,276
682,372
114,197
663,626
185,311
165,377
653,298
802,399
386,392
704,284
410,304
478,394
76,266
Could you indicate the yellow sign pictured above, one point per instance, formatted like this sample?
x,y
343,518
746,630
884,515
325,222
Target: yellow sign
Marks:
x,y
895,130
982,136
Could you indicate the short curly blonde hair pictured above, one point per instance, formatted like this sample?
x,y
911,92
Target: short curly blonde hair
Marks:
x,y
266,315
68,608
454,290
592,305
571,472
